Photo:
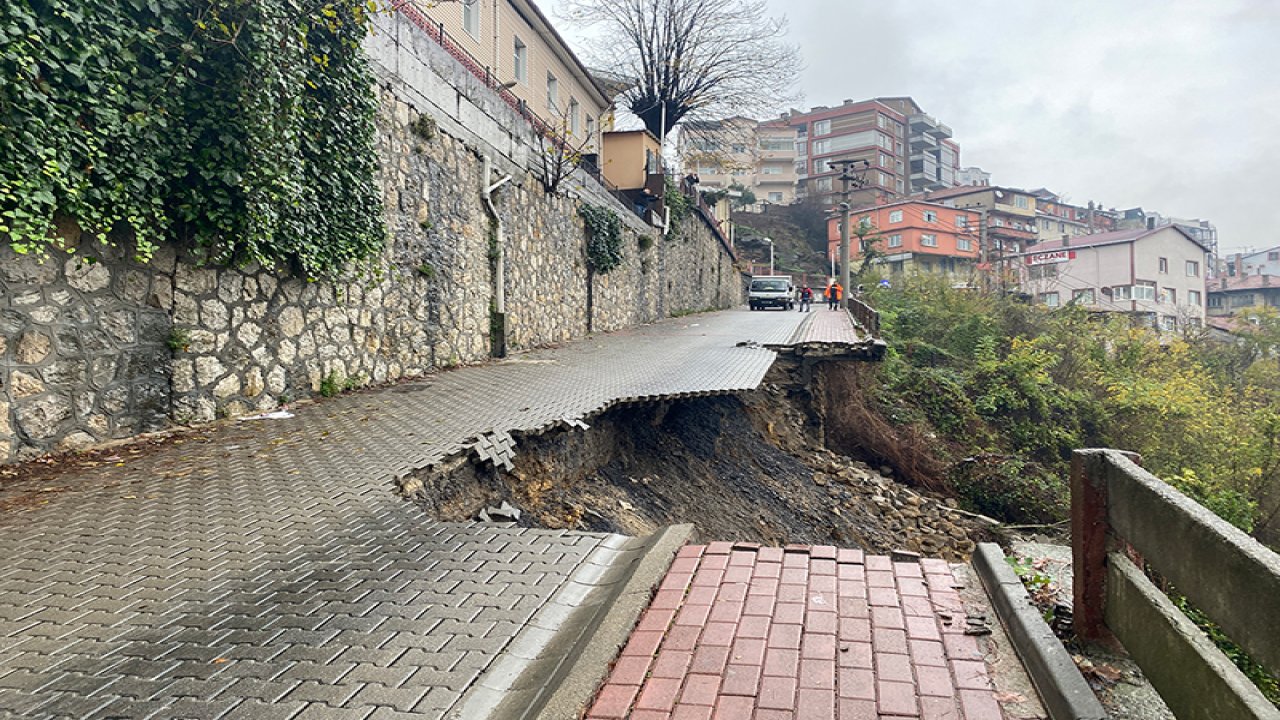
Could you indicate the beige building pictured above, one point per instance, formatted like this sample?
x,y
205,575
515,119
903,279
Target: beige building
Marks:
x,y
516,45
760,156
631,157
1156,275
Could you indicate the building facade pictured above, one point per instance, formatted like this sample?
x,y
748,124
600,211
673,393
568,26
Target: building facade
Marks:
x,y
915,237
1056,218
973,176
897,148
759,156
517,45
1157,276
1007,218
1263,262
1229,295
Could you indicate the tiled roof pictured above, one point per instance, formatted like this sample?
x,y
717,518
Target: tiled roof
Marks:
x,y
1107,238
1247,282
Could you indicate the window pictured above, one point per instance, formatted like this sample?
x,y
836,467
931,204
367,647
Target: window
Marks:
x,y
573,116
930,216
1164,266
1193,297
591,128
1122,292
1169,295
884,141
962,222
821,147
471,17
1193,268
901,184
1144,290
885,160
1168,323
1020,201
553,91
963,243
775,197
895,216
882,121
822,127
1215,301
770,170
1044,224
885,180
521,62
1062,227
1049,299
895,241
1040,272
1273,256
928,240
1083,297
823,183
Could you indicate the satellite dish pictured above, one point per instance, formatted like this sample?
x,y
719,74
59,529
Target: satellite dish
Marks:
x,y
999,194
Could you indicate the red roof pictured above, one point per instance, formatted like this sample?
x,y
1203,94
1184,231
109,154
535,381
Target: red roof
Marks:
x,y
1246,282
1108,238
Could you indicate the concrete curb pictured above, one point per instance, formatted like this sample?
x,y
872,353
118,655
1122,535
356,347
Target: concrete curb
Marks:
x,y
597,648
1063,689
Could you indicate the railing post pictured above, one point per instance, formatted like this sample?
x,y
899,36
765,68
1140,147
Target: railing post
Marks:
x,y
1091,539
1089,531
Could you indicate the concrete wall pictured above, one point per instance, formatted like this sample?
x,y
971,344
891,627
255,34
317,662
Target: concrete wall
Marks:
x,y
94,352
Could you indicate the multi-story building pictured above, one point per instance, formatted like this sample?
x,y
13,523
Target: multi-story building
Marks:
x,y
973,176
1008,216
1056,218
1202,230
1264,262
915,237
517,46
759,156
1157,275
1229,295
897,147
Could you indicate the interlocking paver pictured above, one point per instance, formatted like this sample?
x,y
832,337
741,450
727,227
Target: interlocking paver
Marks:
x,y
827,654
272,562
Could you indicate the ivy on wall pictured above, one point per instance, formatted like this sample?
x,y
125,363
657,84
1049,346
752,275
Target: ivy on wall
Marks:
x,y
244,125
604,237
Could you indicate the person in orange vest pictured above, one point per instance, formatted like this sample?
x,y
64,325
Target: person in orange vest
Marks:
x,y
834,293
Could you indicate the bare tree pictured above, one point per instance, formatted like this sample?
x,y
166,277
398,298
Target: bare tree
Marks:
x,y
698,59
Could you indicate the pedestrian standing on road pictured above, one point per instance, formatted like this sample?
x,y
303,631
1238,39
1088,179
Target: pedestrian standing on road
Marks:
x,y
834,293
806,298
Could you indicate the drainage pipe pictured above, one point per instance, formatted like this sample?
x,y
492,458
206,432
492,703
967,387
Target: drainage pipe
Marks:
x,y
500,255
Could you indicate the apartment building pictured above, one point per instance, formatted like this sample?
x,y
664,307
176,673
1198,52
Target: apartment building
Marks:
x,y
1056,218
1229,295
515,43
1202,230
1264,262
1157,275
972,175
1010,215
898,147
916,237
760,156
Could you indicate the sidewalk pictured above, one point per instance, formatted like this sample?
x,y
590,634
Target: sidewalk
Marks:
x,y
741,632
268,569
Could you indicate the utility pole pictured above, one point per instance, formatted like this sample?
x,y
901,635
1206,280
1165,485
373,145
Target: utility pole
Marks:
x,y
984,248
848,182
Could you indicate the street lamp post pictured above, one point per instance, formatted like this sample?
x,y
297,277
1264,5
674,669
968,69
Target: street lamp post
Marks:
x,y
770,241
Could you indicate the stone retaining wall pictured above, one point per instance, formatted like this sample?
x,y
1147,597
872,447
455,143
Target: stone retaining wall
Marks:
x,y
91,352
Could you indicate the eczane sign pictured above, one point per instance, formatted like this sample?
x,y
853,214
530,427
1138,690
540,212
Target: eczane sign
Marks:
x,y
1049,258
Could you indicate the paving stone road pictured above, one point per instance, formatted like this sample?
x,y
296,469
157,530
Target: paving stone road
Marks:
x,y
268,570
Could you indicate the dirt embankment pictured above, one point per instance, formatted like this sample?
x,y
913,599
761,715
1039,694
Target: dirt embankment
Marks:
x,y
749,467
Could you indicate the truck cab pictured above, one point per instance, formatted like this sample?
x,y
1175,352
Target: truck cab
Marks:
x,y
771,291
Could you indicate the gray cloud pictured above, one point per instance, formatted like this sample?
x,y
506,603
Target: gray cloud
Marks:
x,y
1172,105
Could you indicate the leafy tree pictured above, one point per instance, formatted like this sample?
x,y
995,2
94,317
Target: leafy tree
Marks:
x,y
692,58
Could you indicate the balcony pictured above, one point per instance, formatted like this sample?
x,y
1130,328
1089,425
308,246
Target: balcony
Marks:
x,y
923,142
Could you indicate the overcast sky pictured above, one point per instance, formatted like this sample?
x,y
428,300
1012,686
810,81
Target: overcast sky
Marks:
x,y
1171,105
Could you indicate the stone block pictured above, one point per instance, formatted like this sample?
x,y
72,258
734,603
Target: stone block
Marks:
x,y
23,384
42,417
33,347
87,277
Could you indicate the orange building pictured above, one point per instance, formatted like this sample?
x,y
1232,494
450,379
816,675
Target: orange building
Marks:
x,y
916,236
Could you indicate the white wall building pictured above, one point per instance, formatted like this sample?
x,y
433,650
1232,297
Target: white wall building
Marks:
x,y
1155,275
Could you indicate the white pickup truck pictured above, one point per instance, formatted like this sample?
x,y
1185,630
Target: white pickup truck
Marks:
x,y
771,291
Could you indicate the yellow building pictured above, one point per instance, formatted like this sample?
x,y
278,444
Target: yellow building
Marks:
x,y
516,45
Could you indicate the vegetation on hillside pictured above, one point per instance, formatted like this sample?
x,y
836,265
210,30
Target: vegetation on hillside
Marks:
x,y
1000,393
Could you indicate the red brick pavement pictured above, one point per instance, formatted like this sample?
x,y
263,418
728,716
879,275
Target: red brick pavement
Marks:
x,y
743,632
